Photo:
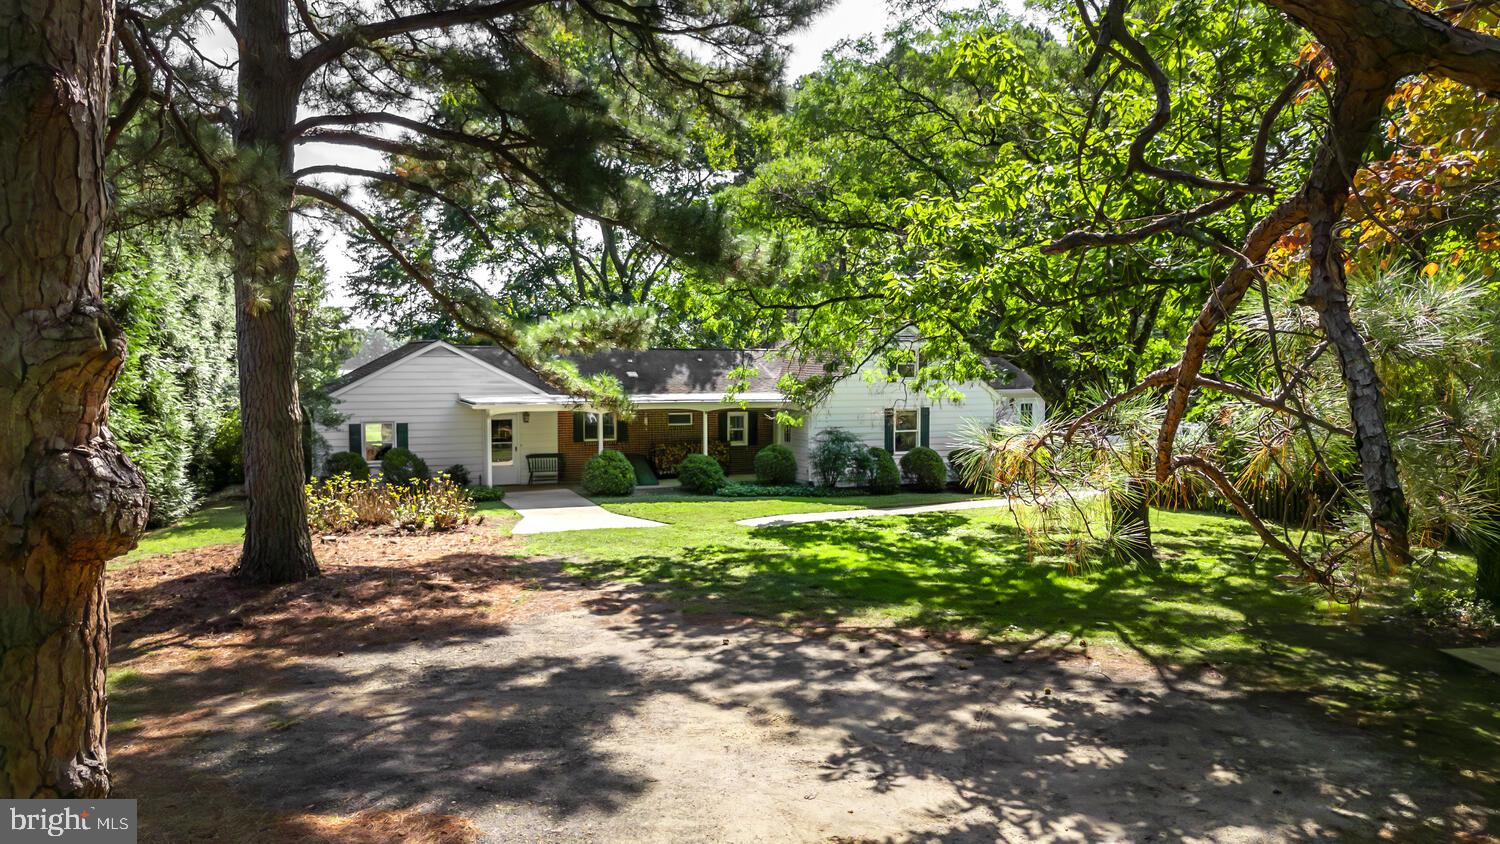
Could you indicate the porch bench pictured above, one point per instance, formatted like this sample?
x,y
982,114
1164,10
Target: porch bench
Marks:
x,y
546,467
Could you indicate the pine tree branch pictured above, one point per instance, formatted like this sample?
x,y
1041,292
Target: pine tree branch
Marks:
x,y
408,184
361,36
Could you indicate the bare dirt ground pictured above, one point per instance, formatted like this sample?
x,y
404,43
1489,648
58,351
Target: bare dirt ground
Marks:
x,y
435,689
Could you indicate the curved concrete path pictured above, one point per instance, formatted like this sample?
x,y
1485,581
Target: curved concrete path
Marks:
x,y
866,513
558,510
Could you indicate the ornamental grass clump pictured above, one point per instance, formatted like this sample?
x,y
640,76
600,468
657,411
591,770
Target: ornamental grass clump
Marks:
x,y
342,504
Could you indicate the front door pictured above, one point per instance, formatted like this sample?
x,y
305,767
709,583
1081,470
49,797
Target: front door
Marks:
x,y
503,449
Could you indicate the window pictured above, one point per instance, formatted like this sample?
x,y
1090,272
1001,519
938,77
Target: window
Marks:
x,y
679,418
591,426
904,428
739,428
503,440
379,438
906,365
786,435
1027,413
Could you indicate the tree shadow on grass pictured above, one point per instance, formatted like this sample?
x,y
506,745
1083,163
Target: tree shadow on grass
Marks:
x,y
1215,607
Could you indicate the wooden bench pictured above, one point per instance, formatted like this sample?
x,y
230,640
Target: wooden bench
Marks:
x,y
546,467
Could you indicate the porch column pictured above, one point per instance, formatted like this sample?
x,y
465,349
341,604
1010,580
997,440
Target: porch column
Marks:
x,y
599,429
705,432
489,459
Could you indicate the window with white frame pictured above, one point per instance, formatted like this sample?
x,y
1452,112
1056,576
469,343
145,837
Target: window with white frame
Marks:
x,y
503,440
1026,413
679,418
739,428
591,427
379,437
904,429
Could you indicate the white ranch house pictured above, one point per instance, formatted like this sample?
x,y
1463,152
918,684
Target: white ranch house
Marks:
x,y
481,407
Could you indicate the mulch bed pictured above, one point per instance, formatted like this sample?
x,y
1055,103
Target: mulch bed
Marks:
x,y
184,614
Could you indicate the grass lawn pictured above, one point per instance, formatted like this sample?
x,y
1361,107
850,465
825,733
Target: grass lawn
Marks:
x,y
220,524
1216,605
214,525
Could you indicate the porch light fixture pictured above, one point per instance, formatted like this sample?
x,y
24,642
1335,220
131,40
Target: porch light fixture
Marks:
x,y
525,416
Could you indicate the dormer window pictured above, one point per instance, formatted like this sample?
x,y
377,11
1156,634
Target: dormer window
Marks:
x,y
906,368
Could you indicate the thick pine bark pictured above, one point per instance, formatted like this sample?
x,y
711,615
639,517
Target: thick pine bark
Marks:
x,y
1358,103
277,547
69,500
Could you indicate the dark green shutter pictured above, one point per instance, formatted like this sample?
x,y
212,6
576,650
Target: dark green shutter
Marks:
x,y
401,435
923,425
622,431
577,426
723,426
355,445
753,423
890,431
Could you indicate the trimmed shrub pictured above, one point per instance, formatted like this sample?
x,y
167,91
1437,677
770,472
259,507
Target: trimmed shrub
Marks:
x,y
885,478
346,463
401,466
925,469
775,464
701,474
608,473
458,473
487,493
666,457
734,489
839,456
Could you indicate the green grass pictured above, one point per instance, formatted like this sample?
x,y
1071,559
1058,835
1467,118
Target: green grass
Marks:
x,y
214,525
1216,603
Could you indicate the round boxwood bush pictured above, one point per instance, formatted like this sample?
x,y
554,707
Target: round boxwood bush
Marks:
x,y
701,474
401,466
925,469
346,463
608,473
885,478
775,464
458,473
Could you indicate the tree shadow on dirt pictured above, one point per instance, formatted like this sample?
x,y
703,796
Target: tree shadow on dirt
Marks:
x,y
379,689
1045,747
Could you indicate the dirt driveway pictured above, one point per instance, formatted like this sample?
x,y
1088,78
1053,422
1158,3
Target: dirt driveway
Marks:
x,y
449,693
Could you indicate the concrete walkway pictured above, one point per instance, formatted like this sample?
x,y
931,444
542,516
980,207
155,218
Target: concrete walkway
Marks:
x,y
866,513
557,510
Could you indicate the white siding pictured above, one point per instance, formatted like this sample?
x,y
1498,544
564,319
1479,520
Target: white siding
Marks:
x,y
858,406
423,392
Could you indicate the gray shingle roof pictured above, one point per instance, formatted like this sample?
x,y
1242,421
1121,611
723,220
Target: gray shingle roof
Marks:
x,y
665,371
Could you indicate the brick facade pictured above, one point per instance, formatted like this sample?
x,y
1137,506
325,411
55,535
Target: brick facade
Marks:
x,y
650,427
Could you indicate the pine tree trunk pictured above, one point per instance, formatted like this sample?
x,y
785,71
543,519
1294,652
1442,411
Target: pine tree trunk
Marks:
x,y
1130,509
69,500
1487,576
1358,104
277,546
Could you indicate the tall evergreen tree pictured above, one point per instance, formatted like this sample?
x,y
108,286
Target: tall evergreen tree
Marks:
x,y
491,90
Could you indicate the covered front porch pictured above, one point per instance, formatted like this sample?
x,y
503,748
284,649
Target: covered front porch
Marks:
x,y
656,436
